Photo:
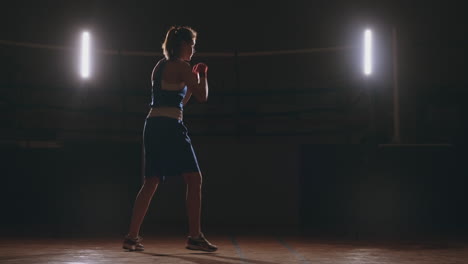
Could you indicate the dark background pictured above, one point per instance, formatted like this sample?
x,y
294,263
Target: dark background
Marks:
x,y
284,142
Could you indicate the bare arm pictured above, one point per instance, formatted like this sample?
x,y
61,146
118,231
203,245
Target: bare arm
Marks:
x,y
197,86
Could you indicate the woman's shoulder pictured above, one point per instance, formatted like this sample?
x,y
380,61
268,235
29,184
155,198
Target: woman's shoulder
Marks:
x,y
160,62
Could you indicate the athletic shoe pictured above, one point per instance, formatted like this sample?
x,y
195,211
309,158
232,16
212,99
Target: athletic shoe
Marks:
x,y
200,243
133,244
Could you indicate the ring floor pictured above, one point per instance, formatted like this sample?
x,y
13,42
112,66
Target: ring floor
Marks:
x,y
255,249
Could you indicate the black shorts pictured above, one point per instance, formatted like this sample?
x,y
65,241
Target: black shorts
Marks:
x,y
168,149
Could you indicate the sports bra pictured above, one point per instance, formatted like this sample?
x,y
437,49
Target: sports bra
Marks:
x,y
168,101
168,97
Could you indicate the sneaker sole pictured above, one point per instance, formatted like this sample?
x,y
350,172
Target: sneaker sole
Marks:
x,y
191,247
133,249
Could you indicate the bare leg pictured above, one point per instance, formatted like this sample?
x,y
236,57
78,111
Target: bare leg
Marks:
x,y
142,202
193,202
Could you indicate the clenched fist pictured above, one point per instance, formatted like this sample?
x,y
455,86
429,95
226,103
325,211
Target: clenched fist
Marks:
x,y
200,68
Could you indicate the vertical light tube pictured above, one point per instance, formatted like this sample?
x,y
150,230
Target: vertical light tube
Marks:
x,y
367,52
396,96
85,55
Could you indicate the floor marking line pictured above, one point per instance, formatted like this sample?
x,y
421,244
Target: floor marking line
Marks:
x,y
299,256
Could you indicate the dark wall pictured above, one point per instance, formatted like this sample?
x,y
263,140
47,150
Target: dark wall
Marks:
x,y
322,189
90,187
391,191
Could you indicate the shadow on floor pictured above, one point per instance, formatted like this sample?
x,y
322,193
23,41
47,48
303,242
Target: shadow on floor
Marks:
x,y
212,258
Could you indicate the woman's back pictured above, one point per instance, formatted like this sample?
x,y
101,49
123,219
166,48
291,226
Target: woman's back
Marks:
x,y
168,88
171,72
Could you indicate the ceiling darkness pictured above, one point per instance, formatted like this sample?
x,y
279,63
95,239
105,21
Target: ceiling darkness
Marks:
x,y
225,25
